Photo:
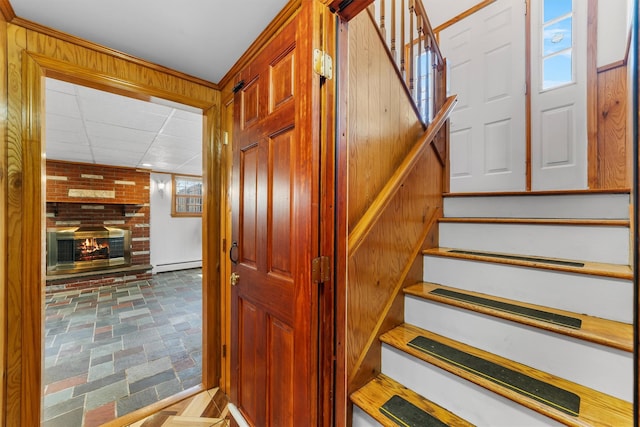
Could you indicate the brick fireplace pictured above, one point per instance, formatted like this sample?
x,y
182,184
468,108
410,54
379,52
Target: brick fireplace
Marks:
x,y
98,220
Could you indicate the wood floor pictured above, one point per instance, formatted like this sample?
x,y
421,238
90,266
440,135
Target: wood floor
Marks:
x,y
208,408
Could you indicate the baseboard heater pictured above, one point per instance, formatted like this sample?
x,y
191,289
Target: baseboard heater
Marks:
x,y
178,263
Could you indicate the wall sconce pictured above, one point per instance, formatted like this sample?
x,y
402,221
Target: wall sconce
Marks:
x,y
161,186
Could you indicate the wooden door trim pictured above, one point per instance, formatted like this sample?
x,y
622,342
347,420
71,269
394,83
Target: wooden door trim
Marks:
x,y
593,164
328,177
527,96
26,264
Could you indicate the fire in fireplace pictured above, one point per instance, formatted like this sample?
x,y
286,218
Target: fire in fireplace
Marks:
x,y
71,250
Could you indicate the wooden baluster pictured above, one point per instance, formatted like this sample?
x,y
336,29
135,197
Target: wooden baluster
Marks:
x,y
431,99
383,29
402,47
394,54
411,54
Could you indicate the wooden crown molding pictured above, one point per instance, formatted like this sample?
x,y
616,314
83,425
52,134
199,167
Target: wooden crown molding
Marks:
x,y
33,26
285,15
7,10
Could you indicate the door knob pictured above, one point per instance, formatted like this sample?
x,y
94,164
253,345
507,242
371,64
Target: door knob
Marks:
x,y
234,278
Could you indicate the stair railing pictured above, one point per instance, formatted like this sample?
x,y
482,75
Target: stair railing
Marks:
x,y
412,45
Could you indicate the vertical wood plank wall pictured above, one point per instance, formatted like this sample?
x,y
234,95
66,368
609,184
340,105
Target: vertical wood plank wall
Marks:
x,y
382,128
3,216
613,148
382,123
30,55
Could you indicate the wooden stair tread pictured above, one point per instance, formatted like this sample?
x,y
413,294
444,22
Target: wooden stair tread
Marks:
x,y
593,268
601,331
373,395
538,193
595,408
538,221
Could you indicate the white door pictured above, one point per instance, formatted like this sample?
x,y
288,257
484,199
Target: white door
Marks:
x,y
486,57
558,94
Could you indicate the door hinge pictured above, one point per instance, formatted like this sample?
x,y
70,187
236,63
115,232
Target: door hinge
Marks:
x,y
321,269
322,64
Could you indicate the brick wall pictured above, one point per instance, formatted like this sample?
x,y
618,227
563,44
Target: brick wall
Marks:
x,y
94,195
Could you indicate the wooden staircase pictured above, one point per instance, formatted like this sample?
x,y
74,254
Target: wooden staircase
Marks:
x,y
524,318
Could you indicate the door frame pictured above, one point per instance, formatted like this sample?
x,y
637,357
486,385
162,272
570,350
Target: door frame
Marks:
x,y
27,263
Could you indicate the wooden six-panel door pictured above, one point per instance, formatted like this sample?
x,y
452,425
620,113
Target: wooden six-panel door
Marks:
x,y
275,190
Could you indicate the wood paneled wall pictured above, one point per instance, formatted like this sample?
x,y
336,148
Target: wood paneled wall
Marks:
x,y
382,129
3,218
31,55
382,123
611,152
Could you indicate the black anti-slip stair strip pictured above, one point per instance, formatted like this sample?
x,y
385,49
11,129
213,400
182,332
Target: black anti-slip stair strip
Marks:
x,y
519,258
541,391
545,316
405,413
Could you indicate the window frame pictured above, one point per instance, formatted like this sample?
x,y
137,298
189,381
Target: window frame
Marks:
x,y
175,196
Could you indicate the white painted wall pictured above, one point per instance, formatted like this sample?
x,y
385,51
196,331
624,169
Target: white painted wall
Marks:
x,y
440,11
176,243
614,23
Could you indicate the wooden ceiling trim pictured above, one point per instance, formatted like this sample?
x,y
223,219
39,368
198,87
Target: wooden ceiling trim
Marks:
x,y
7,10
42,29
348,9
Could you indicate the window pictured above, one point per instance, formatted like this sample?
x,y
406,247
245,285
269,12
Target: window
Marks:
x,y
187,196
424,81
557,43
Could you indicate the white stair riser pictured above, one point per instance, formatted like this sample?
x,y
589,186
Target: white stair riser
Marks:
x,y
584,243
577,206
465,399
598,296
602,368
362,419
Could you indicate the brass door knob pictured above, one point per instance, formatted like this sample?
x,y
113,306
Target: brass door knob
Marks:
x,y
234,278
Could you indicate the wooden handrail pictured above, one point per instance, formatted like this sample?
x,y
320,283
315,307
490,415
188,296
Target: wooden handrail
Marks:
x,y
362,228
418,75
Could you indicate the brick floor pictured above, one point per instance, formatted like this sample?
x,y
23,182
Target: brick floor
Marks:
x,y
117,348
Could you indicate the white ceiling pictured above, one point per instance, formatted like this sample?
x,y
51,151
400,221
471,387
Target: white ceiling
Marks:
x,y
90,126
202,38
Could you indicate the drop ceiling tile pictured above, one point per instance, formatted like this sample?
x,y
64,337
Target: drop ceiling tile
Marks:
x,y
121,133
63,104
63,123
188,115
127,116
60,86
119,144
72,155
191,167
183,128
64,136
176,157
179,143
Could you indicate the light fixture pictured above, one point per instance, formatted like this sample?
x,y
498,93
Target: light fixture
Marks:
x,y
160,184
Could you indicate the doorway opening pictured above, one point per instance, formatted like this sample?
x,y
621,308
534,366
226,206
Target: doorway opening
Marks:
x,y
120,336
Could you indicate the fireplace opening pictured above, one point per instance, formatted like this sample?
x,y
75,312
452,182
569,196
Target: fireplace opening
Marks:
x,y
77,249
